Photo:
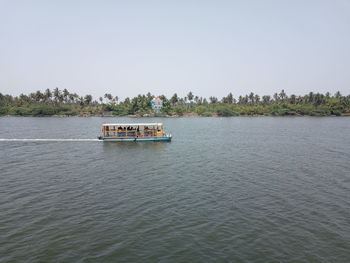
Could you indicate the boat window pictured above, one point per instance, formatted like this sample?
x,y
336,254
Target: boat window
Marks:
x,y
131,133
121,134
148,133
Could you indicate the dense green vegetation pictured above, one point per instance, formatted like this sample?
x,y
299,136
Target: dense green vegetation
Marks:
x,y
57,102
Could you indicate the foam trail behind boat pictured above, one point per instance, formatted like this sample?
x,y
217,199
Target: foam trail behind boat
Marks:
x,y
49,140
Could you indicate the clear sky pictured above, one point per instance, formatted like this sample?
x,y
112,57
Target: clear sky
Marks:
x,y
209,47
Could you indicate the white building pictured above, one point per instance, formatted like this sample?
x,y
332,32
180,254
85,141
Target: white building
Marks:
x,y
157,104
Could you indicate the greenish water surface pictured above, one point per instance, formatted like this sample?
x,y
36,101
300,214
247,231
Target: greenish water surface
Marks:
x,y
259,189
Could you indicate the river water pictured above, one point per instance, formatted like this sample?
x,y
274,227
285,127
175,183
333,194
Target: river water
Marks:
x,y
240,189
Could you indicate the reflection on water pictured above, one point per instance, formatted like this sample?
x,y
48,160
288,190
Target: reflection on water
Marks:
x,y
127,146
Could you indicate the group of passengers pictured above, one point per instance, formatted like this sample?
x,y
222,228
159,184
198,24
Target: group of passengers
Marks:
x,y
120,128
130,131
129,128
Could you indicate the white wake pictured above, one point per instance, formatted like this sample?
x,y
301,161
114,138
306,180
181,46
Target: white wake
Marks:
x,y
50,140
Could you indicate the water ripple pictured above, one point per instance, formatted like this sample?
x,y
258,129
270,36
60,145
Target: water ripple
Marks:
x,y
260,190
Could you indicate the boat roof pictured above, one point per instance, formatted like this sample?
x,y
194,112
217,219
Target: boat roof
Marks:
x,y
133,124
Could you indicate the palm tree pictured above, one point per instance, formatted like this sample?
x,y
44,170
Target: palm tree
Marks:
x,y
251,98
163,98
311,97
81,101
65,95
23,99
318,99
60,98
257,98
127,101
229,98
190,96
213,100
292,99
39,96
196,99
48,94
283,95
149,96
337,94
200,101
246,99
266,99
174,99
56,94
109,96
87,99
72,97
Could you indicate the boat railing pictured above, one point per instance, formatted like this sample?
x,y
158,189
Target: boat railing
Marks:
x,y
111,131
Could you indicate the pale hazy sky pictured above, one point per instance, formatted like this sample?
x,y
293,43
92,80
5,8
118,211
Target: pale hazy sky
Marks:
x,y
209,47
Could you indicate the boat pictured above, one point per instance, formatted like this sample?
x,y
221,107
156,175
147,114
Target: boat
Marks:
x,y
132,132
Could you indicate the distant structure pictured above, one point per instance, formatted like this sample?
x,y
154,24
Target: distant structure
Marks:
x,y
157,104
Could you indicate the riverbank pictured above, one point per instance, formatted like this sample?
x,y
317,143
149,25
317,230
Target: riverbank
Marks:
x,y
57,103
194,115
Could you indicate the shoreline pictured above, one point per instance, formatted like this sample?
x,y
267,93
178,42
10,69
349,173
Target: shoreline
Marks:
x,y
171,116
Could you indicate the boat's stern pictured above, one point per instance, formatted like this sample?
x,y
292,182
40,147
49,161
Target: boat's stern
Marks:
x,y
166,136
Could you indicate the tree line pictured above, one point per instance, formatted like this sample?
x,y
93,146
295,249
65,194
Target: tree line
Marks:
x,y
63,102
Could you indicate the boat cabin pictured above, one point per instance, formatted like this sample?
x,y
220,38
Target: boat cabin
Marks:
x,y
133,130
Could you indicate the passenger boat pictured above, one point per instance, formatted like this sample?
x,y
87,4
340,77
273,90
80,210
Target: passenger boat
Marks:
x,y
134,132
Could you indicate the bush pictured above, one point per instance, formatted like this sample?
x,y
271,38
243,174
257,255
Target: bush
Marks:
x,y
207,114
143,112
120,111
226,112
43,110
336,112
4,110
166,109
20,111
179,110
69,113
201,110
320,112
281,110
